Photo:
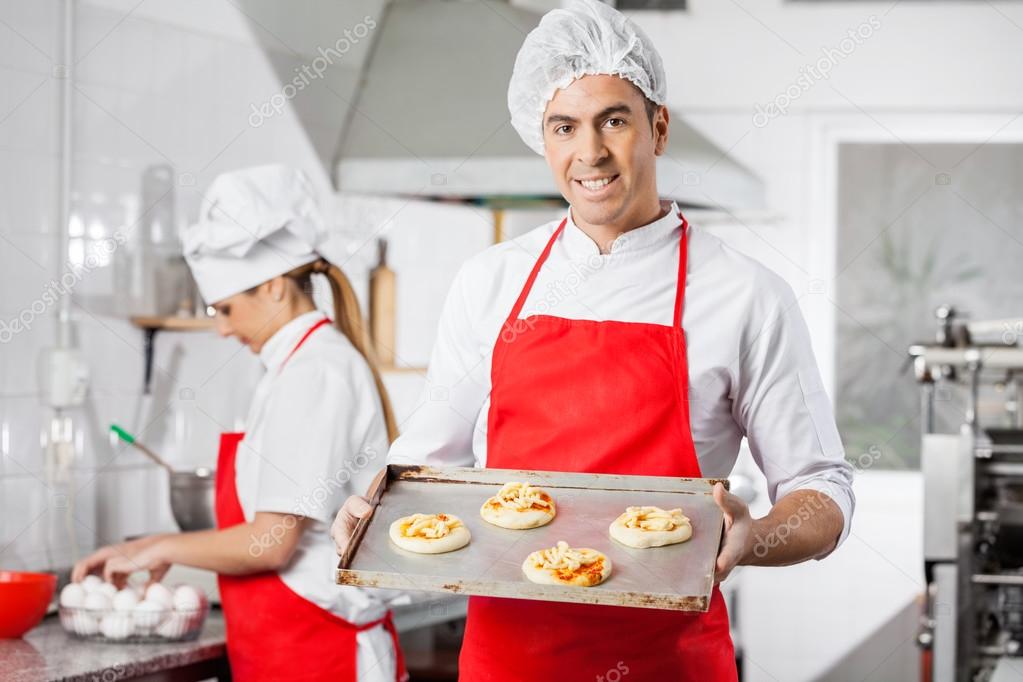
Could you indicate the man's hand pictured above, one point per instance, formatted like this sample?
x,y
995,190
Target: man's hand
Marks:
x,y
738,532
355,507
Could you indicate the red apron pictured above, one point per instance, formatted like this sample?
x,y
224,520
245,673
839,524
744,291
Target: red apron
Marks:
x,y
272,633
596,397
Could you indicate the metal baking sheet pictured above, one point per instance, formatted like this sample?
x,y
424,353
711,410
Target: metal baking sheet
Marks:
x,y
677,577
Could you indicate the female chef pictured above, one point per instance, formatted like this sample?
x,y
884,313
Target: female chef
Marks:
x,y
318,428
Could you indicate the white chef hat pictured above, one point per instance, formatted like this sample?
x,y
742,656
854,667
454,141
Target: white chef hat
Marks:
x,y
586,37
254,224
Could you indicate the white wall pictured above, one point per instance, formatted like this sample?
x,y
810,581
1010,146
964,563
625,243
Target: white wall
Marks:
x,y
157,82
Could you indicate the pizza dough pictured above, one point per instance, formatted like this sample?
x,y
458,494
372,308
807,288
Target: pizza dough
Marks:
x,y
429,533
644,527
564,565
519,506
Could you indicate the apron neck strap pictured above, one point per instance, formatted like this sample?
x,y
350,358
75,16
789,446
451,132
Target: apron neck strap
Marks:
x,y
308,333
524,294
680,286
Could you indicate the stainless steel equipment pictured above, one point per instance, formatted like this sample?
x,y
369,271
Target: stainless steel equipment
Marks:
x,y
973,497
191,497
191,492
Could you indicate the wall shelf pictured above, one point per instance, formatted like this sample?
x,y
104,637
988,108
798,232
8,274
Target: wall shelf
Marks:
x,y
150,324
172,323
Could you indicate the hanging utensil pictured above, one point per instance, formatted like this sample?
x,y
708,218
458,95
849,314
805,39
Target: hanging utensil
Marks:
x,y
191,492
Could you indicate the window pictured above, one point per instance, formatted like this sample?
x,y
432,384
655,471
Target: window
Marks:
x,y
919,226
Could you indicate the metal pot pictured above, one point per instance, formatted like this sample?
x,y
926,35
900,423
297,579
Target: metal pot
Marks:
x,y
191,498
191,492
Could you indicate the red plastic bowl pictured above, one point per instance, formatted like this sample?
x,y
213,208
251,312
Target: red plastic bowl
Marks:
x,y
23,601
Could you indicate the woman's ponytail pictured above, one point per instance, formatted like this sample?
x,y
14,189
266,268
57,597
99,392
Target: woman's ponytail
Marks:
x,y
348,320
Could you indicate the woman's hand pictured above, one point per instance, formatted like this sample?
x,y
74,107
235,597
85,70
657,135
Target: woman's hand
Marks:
x,y
95,562
118,568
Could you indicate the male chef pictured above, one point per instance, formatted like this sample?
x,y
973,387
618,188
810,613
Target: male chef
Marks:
x,y
620,339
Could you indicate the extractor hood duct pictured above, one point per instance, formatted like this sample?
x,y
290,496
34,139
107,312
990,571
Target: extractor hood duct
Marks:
x,y
430,117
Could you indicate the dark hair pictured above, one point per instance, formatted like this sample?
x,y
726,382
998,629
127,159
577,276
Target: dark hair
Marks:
x,y
648,104
651,109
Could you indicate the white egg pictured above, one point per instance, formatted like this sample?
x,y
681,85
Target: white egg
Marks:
x,y
125,600
91,583
174,627
72,596
161,594
117,625
67,619
96,601
84,624
187,598
108,589
148,614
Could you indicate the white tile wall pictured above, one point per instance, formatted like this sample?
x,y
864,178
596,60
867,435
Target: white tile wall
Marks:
x,y
27,104
28,40
28,183
163,84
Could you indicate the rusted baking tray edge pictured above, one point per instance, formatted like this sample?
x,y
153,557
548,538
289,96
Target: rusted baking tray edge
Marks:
x,y
564,479
527,590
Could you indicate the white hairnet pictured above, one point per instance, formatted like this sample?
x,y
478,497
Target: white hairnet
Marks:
x,y
586,37
254,224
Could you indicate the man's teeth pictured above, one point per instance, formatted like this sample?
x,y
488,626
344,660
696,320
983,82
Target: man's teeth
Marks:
x,y
595,184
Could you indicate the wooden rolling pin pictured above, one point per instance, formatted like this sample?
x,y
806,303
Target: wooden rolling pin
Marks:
x,y
382,308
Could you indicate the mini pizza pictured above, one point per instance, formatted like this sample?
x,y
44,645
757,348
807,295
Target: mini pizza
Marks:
x,y
564,565
519,506
644,527
429,533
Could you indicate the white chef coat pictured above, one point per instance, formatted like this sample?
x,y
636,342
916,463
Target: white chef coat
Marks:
x,y
315,434
752,370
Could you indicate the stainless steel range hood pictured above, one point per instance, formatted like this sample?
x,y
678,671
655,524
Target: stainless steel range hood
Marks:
x,y
430,118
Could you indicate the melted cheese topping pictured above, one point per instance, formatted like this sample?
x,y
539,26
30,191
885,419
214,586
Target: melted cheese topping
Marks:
x,y
522,496
429,526
563,557
653,518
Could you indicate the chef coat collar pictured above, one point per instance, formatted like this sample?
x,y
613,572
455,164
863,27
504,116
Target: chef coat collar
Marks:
x,y
658,233
277,348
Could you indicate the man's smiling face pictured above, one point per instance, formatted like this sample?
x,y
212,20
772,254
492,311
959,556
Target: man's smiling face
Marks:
x,y
601,146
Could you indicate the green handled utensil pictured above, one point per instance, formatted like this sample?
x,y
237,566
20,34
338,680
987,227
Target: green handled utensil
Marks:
x,y
130,440
191,492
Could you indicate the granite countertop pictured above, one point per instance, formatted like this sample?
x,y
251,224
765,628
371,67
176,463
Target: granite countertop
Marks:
x,y
47,653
